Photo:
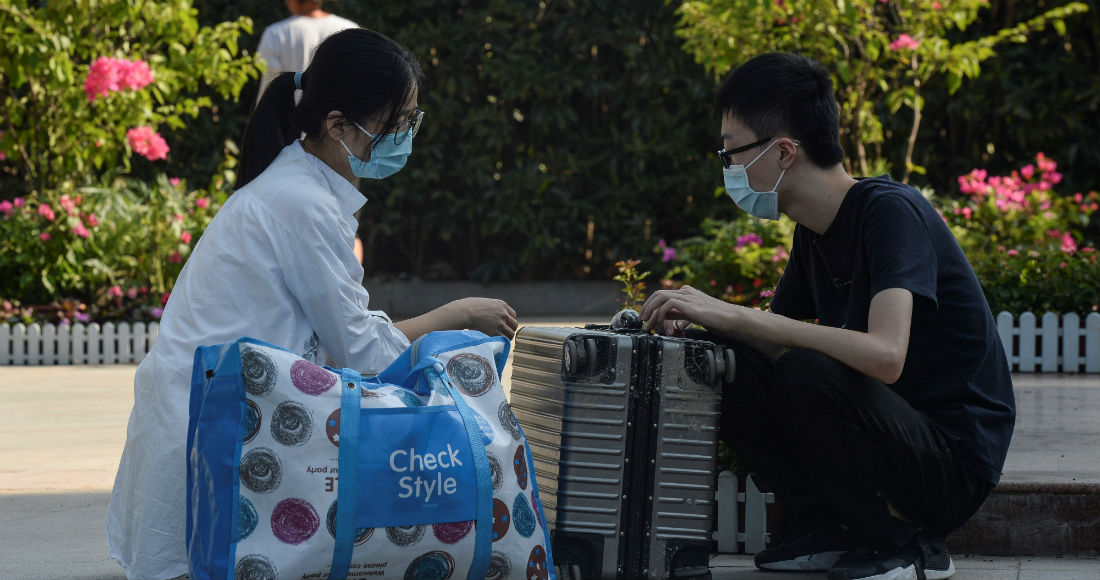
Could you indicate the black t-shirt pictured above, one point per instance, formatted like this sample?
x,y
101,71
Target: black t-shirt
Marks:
x,y
886,235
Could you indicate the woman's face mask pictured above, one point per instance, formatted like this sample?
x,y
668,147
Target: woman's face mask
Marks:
x,y
761,204
387,158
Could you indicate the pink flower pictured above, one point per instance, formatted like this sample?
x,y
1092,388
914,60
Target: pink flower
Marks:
x,y
747,239
131,293
174,181
68,204
1069,245
202,202
147,143
1013,252
81,231
115,291
1045,164
44,236
19,202
937,6
185,237
103,78
6,208
92,221
134,75
967,212
178,217
1027,171
767,293
46,211
175,258
107,75
81,317
904,42
157,312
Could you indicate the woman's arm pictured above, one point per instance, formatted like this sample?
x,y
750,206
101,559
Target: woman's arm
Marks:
x,y
489,315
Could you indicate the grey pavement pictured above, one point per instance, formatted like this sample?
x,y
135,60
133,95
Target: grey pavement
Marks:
x,y
62,429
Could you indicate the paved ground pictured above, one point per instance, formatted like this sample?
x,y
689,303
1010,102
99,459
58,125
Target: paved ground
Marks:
x,y
62,430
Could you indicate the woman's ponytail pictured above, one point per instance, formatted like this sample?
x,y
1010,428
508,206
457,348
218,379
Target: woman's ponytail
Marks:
x,y
273,125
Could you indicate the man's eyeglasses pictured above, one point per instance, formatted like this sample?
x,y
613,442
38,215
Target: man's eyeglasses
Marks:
x,y
725,154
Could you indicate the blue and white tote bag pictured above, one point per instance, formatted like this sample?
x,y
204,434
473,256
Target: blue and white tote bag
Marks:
x,y
428,456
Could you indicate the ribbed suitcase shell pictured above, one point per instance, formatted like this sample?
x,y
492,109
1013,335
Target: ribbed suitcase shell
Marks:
x,y
623,429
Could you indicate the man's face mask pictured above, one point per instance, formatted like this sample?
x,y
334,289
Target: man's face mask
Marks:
x,y
761,204
389,156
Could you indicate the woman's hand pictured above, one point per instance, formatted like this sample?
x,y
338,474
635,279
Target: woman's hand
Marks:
x,y
489,315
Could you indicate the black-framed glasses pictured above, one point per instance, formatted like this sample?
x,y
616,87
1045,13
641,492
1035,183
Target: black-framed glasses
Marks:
x,y
724,154
402,128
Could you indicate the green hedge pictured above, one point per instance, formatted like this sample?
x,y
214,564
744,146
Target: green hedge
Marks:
x,y
559,137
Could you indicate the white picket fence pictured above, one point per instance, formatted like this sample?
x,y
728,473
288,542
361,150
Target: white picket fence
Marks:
x,y
1050,344
64,344
737,535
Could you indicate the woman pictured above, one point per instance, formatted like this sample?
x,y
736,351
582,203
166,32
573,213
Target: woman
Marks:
x,y
277,264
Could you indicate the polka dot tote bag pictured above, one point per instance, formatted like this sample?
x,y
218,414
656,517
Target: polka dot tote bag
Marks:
x,y
428,456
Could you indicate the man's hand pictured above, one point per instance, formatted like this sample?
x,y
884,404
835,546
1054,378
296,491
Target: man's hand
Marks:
x,y
671,311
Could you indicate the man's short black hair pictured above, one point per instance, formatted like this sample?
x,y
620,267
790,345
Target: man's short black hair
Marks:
x,y
782,93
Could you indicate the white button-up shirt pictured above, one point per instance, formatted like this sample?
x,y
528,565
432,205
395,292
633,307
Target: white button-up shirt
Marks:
x,y
276,264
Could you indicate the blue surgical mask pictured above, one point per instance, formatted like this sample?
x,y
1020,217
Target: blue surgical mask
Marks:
x,y
385,159
761,204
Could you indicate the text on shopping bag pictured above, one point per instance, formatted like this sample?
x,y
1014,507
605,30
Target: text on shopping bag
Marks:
x,y
415,467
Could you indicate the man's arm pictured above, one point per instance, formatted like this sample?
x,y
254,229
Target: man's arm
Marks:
x,y
879,353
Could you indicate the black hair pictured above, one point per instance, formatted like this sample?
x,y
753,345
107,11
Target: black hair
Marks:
x,y
358,72
779,92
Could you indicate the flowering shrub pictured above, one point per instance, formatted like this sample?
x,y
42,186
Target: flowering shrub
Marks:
x,y
98,253
739,261
1026,242
1045,278
89,85
93,81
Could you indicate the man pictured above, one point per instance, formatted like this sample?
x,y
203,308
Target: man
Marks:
x,y
875,397
288,45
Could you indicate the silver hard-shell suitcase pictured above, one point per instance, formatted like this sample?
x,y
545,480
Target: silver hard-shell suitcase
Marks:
x,y
623,429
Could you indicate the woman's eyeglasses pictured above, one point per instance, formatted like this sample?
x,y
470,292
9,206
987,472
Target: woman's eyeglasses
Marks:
x,y
402,130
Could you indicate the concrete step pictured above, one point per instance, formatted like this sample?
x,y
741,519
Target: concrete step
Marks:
x,y
1048,501
1034,519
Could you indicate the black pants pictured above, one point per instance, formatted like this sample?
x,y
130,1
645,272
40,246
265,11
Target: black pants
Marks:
x,y
836,445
